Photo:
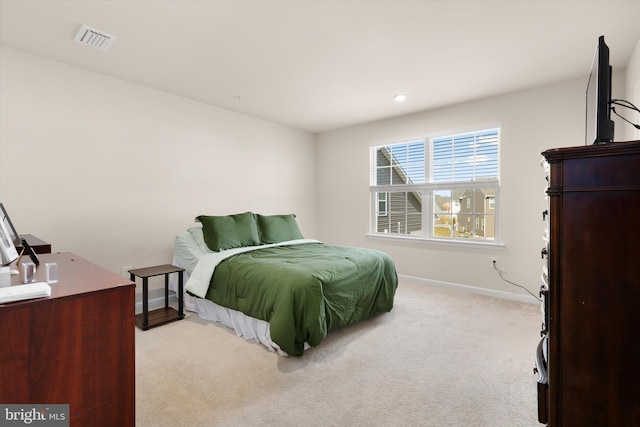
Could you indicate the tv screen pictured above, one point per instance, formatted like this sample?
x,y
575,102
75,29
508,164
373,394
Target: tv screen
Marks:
x,y
599,126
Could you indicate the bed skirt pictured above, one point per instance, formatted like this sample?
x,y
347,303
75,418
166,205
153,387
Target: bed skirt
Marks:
x,y
244,326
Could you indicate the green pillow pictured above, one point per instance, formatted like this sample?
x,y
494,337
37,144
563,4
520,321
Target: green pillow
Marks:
x,y
278,228
230,231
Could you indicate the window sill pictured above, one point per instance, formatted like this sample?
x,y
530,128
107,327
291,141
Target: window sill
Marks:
x,y
438,242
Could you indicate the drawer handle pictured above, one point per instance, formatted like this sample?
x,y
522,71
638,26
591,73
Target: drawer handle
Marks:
x,y
543,252
544,214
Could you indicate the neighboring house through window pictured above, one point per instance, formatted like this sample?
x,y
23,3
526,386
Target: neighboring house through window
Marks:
x,y
438,188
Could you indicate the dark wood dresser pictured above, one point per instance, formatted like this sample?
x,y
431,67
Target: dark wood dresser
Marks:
x,y
591,287
39,246
75,347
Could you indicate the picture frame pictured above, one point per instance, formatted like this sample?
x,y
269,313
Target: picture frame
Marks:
x,y
8,252
13,234
27,249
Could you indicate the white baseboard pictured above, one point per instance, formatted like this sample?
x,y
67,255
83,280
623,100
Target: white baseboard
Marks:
x,y
473,289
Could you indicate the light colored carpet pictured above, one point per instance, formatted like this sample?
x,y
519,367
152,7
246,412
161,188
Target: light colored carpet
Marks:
x,y
439,358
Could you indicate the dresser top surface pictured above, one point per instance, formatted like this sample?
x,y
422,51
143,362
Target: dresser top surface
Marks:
x,y
614,148
76,276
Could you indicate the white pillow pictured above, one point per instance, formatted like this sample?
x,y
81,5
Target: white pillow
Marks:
x,y
198,236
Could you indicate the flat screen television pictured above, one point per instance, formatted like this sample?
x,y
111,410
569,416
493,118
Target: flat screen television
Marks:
x,y
599,126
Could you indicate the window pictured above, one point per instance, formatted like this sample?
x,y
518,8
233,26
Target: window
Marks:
x,y
382,204
438,188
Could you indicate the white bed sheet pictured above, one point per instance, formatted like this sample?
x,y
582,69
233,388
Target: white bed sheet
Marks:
x,y
186,254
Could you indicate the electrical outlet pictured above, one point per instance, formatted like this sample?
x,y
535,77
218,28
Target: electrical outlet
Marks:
x,y
495,265
125,270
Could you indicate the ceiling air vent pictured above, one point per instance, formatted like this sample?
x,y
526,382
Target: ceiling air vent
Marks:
x,y
94,38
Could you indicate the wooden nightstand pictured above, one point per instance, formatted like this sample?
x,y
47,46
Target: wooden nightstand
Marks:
x,y
149,319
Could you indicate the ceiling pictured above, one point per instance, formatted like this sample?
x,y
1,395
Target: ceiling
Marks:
x,y
322,65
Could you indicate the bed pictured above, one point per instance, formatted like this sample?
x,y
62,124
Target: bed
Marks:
x,y
257,275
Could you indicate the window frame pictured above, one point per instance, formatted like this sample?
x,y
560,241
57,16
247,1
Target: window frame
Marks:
x,y
428,189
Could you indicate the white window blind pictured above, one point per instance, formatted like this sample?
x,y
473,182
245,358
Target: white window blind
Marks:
x,y
466,157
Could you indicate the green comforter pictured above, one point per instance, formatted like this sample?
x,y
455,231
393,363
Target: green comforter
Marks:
x,y
305,290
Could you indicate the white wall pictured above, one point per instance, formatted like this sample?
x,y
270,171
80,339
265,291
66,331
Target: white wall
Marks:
x,y
112,171
531,122
632,95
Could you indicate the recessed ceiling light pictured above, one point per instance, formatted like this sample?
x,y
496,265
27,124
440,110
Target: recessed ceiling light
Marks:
x,y
399,97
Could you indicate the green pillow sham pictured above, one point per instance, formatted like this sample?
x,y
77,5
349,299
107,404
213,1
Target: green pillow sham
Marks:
x,y
230,231
278,228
